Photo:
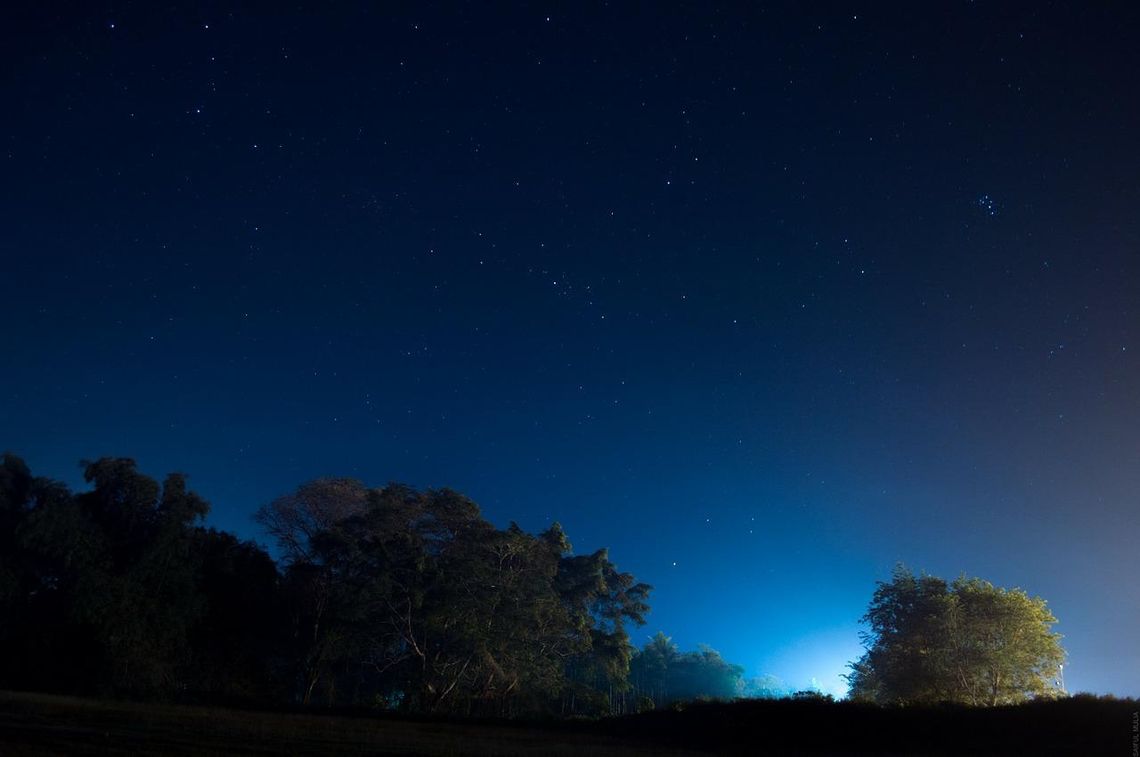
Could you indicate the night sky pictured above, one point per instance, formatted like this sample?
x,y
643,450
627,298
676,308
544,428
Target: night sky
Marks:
x,y
765,299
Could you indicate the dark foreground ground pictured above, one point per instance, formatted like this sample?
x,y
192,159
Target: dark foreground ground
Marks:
x,y
36,724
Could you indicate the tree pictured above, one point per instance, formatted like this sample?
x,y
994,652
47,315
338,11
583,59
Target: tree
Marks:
x,y
766,686
966,641
391,597
16,485
662,674
295,519
16,491
650,669
238,644
1002,648
141,600
410,598
906,642
600,601
107,580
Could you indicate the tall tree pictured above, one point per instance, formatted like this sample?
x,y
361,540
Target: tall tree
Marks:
x,y
650,670
295,519
601,602
143,601
967,641
390,597
109,591
662,674
238,643
411,598
1002,649
16,495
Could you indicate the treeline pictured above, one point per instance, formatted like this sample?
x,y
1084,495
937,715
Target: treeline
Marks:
x,y
661,674
118,591
390,597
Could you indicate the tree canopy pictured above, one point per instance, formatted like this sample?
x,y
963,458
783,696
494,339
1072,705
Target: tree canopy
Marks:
x,y
966,641
409,599
662,674
386,597
412,598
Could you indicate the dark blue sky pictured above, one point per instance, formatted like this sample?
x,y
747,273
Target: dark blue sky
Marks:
x,y
764,299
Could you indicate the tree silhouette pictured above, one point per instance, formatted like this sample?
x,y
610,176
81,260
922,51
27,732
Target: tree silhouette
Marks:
x,y
390,597
662,674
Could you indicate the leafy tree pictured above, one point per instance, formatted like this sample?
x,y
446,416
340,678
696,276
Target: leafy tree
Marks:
x,y
294,520
651,667
53,550
107,581
967,641
663,674
16,492
704,674
1002,648
600,600
238,642
16,485
390,597
906,643
139,597
410,598
766,686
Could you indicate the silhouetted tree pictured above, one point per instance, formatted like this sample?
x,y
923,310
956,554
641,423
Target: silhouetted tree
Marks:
x,y
390,597
294,520
600,600
16,487
765,687
663,674
117,590
238,643
651,667
50,548
107,590
410,598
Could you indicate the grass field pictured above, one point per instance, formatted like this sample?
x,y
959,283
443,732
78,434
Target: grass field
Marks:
x,y
38,724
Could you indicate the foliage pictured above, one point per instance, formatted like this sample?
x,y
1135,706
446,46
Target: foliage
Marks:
x,y
664,675
105,595
410,598
967,641
389,597
765,687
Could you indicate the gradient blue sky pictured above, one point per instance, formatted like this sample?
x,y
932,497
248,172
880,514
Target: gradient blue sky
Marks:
x,y
764,299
